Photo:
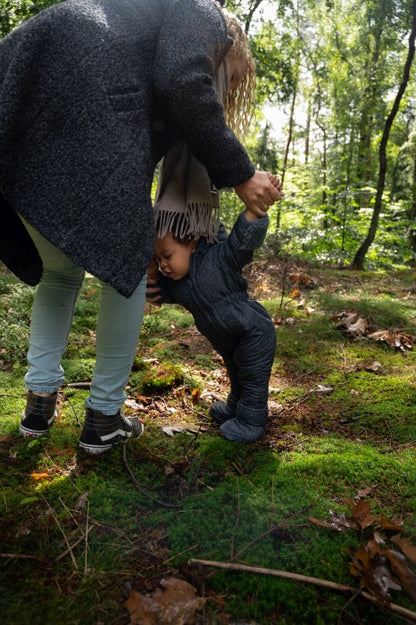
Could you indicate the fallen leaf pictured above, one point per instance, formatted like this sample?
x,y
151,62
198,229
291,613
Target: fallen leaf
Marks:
x,y
394,338
321,388
406,576
374,366
175,428
175,605
408,549
352,324
301,279
370,566
365,492
392,525
361,513
82,501
196,394
39,477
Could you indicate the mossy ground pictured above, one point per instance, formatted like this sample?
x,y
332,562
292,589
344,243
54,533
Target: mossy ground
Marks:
x,y
77,533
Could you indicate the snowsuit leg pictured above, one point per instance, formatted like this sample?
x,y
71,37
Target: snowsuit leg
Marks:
x,y
251,365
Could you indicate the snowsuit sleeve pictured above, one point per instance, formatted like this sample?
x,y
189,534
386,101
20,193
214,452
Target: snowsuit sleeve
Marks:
x,y
245,237
164,294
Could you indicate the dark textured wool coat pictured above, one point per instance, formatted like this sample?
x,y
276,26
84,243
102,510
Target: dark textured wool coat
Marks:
x,y
92,94
238,327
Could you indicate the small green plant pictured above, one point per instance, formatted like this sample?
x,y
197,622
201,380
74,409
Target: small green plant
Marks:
x,y
161,377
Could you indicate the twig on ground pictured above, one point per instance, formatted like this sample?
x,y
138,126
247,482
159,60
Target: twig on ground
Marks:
x,y
177,555
55,518
87,531
323,583
22,556
237,519
398,447
141,490
73,410
77,542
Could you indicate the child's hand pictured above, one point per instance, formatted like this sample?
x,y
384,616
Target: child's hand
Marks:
x,y
152,292
252,215
275,182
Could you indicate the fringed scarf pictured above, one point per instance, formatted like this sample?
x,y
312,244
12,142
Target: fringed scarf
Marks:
x,y
186,203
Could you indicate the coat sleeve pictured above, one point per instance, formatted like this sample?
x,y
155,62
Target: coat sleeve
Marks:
x,y
193,42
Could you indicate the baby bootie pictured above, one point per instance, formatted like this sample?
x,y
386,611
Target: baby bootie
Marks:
x,y
220,411
240,432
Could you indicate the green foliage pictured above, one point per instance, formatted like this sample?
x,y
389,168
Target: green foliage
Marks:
x,y
14,12
161,377
168,318
16,301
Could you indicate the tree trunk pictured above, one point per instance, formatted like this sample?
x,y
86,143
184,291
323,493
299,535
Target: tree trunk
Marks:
x,y
287,149
411,235
358,262
308,131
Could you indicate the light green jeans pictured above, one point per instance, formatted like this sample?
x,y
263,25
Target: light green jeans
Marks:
x,y
117,331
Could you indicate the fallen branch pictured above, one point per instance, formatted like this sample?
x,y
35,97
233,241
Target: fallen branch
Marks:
x,y
300,578
78,384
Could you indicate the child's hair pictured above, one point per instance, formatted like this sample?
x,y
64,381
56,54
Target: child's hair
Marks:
x,y
239,100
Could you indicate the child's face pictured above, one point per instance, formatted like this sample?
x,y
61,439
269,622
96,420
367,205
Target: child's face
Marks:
x,y
174,257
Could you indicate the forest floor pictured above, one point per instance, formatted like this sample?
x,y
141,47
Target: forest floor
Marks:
x,y
314,524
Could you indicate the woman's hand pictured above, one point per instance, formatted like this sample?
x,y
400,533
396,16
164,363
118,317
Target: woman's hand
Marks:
x,y
260,191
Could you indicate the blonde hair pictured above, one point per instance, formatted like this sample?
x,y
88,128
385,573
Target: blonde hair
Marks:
x,y
239,100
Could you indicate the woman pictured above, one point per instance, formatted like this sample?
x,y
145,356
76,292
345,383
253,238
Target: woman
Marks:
x,y
93,93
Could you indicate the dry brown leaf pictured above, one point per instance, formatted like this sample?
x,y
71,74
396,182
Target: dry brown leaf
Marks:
x,y
352,324
368,564
405,546
183,426
175,605
39,477
391,525
196,394
361,513
81,502
394,338
302,280
365,492
407,578
374,366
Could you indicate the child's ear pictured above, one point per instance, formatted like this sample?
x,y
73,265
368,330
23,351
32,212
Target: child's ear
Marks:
x,y
193,245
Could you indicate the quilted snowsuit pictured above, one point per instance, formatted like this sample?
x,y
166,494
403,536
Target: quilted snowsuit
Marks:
x,y
92,95
238,327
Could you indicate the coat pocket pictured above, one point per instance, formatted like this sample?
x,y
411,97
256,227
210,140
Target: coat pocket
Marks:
x,y
125,100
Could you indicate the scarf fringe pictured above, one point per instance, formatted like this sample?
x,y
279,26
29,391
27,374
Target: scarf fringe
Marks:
x,y
199,219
